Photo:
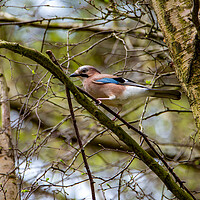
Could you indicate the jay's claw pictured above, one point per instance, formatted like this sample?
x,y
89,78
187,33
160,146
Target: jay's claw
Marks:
x,y
98,102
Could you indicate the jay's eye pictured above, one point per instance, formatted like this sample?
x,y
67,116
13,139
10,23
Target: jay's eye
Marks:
x,y
84,70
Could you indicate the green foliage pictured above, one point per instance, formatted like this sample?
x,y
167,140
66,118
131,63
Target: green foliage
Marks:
x,y
24,191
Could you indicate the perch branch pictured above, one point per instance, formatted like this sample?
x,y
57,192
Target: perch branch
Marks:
x,y
101,117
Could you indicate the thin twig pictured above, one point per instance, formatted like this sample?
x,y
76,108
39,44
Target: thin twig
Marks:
x,y
52,57
80,144
45,33
170,169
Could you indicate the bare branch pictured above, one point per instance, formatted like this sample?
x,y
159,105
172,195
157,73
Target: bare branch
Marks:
x,y
103,119
51,55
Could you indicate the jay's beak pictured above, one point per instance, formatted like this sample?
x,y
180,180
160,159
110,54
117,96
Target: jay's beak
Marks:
x,y
74,75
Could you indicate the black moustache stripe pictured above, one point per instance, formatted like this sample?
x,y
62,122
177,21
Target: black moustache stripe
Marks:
x,y
84,75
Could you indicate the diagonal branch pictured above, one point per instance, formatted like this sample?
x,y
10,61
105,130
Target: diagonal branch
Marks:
x,y
52,57
81,145
101,117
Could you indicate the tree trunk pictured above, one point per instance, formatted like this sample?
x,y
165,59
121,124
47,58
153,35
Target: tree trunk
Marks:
x,y
8,186
174,18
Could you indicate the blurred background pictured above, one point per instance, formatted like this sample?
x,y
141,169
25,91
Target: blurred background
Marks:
x,y
117,37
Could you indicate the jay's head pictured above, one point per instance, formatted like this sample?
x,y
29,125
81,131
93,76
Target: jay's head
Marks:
x,y
85,72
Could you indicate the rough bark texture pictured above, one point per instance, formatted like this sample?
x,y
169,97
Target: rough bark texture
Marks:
x,y
8,186
174,18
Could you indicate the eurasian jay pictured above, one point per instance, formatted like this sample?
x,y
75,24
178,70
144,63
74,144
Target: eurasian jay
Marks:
x,y
116,91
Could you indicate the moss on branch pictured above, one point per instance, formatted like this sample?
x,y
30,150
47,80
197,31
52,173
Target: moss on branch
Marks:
x,y
100,116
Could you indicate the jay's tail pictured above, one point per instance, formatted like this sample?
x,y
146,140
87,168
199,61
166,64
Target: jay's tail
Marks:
x,y
170,94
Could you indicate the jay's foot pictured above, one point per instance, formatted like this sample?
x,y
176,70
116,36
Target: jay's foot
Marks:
x,y
98,102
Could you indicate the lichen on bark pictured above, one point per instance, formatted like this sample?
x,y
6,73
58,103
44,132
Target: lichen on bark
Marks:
x,y
180,34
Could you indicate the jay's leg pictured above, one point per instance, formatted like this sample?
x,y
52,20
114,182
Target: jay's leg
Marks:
x,y
119,110
110,98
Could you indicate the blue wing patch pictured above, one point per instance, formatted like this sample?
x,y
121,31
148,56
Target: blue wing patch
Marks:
x,y
108,80
119,81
